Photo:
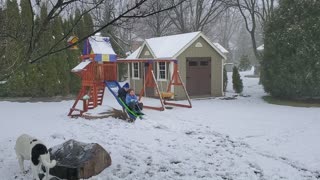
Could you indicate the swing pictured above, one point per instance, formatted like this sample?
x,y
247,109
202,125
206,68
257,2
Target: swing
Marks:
x,y
165,94
150,81
177,81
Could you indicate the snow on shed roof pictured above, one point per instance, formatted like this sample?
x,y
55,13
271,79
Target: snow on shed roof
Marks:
x,y
101,48
80,66
261,48
172,46
168,46
221,48
134,55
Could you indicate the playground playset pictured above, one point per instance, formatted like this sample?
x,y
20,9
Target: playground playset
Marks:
x,y
98,70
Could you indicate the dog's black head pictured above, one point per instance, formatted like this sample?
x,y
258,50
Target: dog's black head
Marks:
x,y
37,150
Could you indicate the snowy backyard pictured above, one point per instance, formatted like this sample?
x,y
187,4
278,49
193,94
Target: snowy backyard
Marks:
x,y
245,138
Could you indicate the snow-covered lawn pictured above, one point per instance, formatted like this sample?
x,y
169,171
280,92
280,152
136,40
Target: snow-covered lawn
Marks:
x,y
243,139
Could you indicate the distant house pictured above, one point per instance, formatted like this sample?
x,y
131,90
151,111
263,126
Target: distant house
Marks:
x,y
260,48
200,64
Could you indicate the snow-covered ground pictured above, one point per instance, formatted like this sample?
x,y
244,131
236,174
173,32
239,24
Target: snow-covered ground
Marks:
x,y
218,139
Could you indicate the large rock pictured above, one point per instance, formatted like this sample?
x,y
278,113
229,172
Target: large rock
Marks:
x,y
77,160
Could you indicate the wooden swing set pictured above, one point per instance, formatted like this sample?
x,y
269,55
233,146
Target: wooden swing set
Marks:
x,y
151,82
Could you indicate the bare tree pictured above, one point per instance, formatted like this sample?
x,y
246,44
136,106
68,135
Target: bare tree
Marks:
x,y
59,7
253,12
226,26
224,30
267,9
195,15
205,12
248,9
158,23
179,18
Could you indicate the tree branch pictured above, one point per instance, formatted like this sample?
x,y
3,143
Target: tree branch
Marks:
x,y
122,15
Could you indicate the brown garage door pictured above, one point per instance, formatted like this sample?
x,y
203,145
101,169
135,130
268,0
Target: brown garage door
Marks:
x,y
199,76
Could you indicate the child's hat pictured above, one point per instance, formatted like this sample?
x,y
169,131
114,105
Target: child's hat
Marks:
x,y
126,85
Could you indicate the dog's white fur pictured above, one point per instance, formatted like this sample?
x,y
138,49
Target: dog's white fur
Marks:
x,y
25,147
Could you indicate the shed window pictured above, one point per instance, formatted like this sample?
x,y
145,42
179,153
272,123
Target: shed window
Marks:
x,y
162,71
193,63
135,71
204,63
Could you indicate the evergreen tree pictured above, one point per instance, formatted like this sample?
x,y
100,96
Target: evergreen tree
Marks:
x,y
47,69
35,73
72,59
79,28
62,66
244,63
14,50
88,24
291,63
236,80
3,63
225,79
26,31
26,22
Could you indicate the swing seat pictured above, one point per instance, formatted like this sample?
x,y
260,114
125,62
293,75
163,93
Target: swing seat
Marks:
x,y
167,95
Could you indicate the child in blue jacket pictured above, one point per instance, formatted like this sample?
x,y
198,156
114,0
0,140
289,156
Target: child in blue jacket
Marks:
x,y
132,101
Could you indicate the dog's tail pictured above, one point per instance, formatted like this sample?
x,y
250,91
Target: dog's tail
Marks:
x,y
46,161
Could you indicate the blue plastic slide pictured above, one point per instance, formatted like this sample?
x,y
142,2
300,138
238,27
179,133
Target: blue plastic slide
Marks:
x,y
113,87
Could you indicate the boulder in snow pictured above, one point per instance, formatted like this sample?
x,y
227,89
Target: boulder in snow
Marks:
x,y
77,160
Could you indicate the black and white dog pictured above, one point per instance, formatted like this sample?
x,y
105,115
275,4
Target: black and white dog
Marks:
x,y
29,148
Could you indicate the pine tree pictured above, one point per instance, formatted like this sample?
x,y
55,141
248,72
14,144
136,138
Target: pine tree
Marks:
x,y
244,63
2,39
62,66
72,59
49,75
236,81
79,28
26,31
26,22
35,75
225,79
88,24
3,63
291,63
14,50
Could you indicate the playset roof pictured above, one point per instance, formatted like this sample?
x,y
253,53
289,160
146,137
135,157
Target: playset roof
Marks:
x,y
101,47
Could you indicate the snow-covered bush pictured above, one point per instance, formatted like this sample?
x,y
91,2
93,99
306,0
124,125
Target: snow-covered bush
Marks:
x,y
236,80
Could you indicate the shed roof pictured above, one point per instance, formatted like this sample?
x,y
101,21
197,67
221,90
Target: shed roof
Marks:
x,y
134,55
221,48
171,46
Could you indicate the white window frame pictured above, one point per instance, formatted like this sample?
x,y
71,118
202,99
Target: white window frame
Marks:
x,y
133,70
165,72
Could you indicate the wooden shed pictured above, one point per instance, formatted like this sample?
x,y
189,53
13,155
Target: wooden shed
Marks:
x,y
200,64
